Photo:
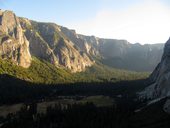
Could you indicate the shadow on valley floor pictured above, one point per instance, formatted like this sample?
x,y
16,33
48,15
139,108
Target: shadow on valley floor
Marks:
x,y
13,90
121,114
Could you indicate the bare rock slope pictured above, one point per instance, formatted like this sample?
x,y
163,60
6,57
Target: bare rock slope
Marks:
x,y
160,78
13,43
49,43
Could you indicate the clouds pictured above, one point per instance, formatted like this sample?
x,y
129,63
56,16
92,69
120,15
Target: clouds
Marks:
x,y
145,22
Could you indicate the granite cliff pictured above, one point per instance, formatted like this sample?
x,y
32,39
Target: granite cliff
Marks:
x,y
47,42
160,78
13,43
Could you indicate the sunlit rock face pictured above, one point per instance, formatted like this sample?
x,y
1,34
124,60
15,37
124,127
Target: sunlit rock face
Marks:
x,y
38,46
48,42
160,78
21,38
13,43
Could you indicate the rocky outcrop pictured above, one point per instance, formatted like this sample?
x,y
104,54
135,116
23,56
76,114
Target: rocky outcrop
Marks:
x,y
119,53
91,45
70,57
160,78
13,43
38,46
86,44
48,42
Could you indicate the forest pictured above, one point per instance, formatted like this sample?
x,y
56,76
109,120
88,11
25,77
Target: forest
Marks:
x,y
84,105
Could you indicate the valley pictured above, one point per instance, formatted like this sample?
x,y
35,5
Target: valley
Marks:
x,y
50,76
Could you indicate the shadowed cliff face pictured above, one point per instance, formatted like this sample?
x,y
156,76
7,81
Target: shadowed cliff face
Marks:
x,y
160,78
159,81
124,55
13,43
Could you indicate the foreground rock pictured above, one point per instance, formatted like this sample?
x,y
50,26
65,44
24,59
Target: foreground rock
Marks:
x,y
160,78
159,87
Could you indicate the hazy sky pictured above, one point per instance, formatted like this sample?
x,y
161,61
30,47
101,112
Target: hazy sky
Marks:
x,y
143,21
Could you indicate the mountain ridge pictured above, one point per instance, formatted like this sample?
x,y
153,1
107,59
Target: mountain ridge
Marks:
x,y
63,47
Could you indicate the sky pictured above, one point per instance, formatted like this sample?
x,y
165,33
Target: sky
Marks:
x,y
138,21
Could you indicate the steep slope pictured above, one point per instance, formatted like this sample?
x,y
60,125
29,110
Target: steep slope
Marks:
x,y
42,72
118,53
87,44
160,78
39,72
159,87
47,42
124,55
13,43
